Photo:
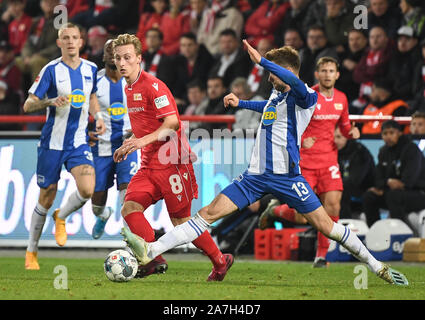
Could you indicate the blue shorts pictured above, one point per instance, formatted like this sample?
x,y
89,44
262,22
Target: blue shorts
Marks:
x,y
107,170
49,163
294,191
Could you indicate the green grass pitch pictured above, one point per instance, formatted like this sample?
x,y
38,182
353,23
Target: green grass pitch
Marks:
x,y
186,280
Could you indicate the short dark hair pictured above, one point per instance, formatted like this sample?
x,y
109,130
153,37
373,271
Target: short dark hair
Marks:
x,y
189,35
316,27
391,124
161,35
418,114
286,57
196,84
229,32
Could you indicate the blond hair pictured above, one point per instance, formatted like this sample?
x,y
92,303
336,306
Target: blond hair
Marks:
x,y
285,57
68,25
126,39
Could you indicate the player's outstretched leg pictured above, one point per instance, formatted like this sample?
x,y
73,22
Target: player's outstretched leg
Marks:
x,y
102,216
38,219
349,240
218,274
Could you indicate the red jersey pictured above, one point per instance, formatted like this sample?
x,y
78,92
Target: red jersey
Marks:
x,y
148,101
18,32
329,113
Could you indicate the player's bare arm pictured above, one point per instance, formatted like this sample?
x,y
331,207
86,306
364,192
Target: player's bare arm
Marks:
x,y
33,103
169,126
95,112
253,54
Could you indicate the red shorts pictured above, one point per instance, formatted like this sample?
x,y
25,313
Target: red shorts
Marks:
x,y
324,179
175,184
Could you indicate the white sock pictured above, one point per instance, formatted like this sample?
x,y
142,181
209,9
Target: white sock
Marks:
x,y
38,219
74,202
99,211
121,196
352,243
181,234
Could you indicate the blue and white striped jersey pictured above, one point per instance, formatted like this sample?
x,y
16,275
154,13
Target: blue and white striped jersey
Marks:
x,y
66,127
284,120
113,105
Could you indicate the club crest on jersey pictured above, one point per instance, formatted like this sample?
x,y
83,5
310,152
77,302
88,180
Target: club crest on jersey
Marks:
x,y
338,106
117,111
77,98
269,116
137,97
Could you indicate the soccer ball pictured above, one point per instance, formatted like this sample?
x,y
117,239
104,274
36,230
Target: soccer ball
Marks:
x,y
120,266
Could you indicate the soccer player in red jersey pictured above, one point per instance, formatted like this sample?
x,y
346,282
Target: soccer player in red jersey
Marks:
x,y
166,170
319,155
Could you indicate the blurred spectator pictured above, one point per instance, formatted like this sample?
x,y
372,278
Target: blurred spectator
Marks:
x,y
294,19
197,9
317,47
294,39
245,119
216,90
9,72
357,43
19,27
220,15
246,7
198,101
197,97
156,62
403,62
173,24
232,61
339,20
97,37
417,125
357,169
4,33
263,22
113,15
9,105
400,177
149,20
193,63
419,83
381,14
383,103
374,62
40,47
258,78
413,16
315,15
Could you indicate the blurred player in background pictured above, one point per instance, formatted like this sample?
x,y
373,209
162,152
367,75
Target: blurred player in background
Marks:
x,y
319,155
166,170
113,105
67,88
274,168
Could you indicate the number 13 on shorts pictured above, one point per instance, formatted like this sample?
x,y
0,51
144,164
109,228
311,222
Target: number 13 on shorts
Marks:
x,y
301,190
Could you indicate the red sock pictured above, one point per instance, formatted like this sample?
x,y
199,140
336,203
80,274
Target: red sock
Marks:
x,y
323,241
283,211
208,246
140,226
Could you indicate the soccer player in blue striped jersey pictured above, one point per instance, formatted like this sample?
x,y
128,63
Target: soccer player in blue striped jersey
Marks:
x,y
274,168
66,87
113,105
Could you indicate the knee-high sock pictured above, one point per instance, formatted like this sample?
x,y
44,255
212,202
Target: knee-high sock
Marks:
x,y
181,234
284,212
138,224
323,241
208,246
74,202
352,243
38,219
